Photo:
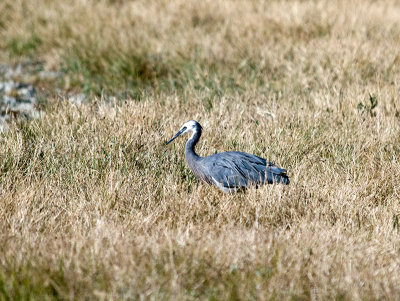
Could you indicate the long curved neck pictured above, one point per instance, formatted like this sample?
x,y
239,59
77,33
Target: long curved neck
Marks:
x,y
190,145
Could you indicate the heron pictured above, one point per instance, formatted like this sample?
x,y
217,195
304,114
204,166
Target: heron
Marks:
x,y
229,171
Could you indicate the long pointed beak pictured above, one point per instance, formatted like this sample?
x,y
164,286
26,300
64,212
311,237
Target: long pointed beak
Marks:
x,y
175,136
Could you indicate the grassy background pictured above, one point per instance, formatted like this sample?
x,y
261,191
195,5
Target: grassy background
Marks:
x,y
94,205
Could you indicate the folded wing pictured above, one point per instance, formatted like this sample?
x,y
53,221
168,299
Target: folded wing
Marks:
x,y
238,170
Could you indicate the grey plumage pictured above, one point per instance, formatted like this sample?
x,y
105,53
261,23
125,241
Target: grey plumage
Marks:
x,y
229,171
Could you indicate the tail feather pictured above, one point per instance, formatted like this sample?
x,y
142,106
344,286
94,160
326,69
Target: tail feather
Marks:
x,y
276,174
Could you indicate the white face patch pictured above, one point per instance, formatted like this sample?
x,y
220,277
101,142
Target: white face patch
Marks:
x,y
190,127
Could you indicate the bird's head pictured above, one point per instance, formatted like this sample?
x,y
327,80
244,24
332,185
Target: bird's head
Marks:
x,y
189,126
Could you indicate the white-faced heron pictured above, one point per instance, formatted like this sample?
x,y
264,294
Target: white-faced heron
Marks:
x,y
229,171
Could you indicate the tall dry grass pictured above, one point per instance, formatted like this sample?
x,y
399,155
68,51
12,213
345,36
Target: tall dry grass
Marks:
x,y
95,206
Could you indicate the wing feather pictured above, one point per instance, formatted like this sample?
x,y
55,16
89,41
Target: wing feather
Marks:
x,y
238,170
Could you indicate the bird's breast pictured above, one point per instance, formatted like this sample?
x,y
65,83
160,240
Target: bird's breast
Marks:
x,y
196,168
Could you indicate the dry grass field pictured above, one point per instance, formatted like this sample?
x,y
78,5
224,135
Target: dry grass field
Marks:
x,y
93,205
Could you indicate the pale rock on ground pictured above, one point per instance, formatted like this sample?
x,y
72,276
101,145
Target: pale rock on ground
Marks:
x,y
18,98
